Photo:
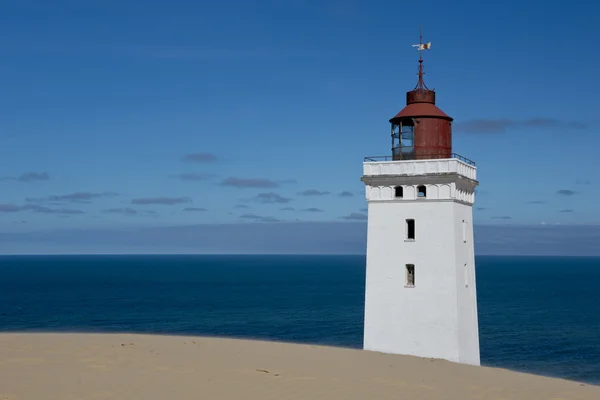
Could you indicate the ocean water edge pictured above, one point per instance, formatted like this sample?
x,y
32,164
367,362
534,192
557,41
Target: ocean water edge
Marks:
x,y
536,314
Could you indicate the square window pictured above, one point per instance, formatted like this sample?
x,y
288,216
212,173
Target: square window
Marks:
x,y
410,229
410,275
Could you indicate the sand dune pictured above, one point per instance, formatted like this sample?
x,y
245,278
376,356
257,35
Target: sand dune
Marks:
x,y
121,366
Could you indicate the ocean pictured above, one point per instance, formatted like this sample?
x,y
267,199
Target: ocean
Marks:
x,y
536,314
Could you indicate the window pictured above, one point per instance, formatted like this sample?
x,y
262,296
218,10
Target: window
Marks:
x,y
398,191
421,191
464,231
410,275
410,229
403,138
466,275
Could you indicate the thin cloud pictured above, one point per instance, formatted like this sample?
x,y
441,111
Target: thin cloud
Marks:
x,y
364,209
271,198
122,211
582,182
12,208
259,218
77,197
566,192
130,211
491,126
33,177
481,208
250,183
312,192
505,217
48,210
241,206
312,209
9,208
28,177
566,211
194,176
536,202
288,209
194,209
346,194
161,200
355,217
201,158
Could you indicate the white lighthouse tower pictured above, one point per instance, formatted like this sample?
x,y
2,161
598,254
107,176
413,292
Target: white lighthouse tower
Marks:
x,y
420,295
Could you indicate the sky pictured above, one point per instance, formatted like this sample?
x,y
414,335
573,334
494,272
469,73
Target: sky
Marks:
x,y
192,126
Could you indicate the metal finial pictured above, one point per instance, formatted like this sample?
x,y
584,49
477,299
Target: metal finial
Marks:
x,y
421,46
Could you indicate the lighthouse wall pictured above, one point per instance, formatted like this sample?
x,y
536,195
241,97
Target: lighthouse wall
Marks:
x,y
431,312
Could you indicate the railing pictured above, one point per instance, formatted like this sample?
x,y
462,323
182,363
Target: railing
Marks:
x,y
412,156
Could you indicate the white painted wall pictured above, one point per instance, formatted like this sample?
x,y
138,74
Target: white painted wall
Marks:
x,y
466,290
420,167
438,317
444,191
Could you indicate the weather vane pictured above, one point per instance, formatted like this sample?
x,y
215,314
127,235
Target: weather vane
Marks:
x,y
422,46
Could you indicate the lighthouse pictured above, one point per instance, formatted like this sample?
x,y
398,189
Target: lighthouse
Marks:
x,y
420,293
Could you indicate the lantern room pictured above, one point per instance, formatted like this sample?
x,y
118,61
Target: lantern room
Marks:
x,y
421,130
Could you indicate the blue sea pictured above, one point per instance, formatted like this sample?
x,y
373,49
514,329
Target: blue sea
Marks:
x,y
536,314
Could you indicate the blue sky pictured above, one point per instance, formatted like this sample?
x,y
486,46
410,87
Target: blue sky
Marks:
x,y
143,115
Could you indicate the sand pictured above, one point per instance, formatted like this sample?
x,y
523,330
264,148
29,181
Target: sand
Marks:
x,y
69,366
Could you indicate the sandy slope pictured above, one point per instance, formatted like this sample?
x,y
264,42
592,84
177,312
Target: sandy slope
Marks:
x,y
103,366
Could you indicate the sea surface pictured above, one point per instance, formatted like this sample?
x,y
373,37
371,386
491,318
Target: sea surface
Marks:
x,y
536,314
